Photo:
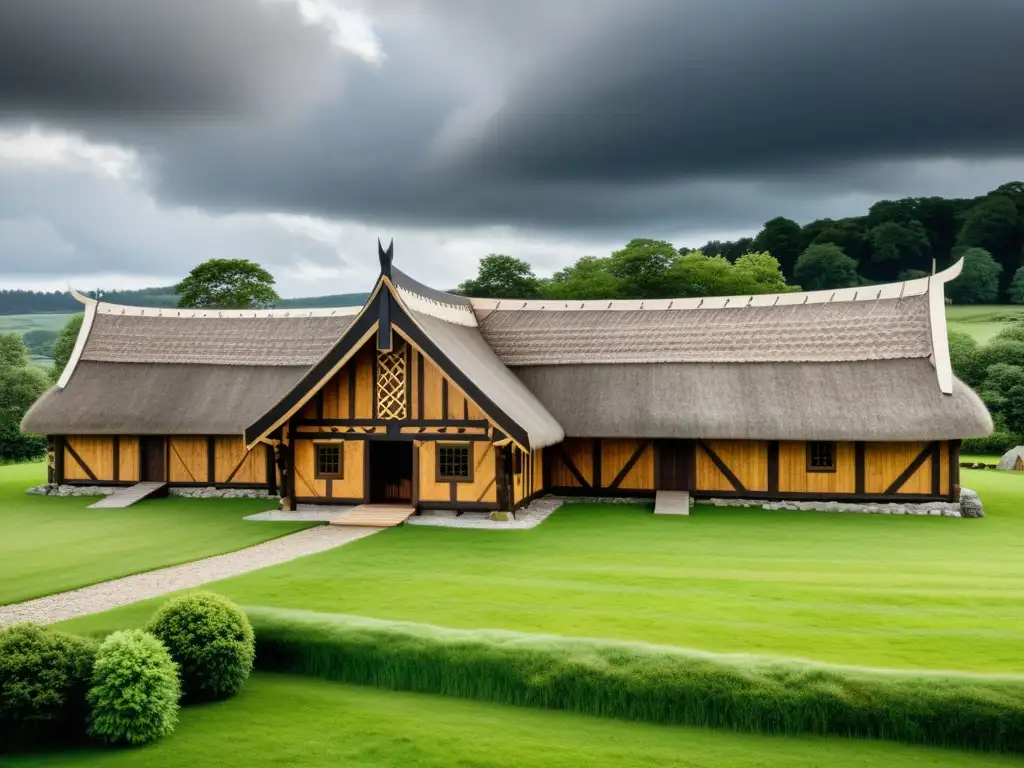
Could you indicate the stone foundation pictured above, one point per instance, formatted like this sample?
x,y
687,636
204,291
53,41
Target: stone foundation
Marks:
x,y
52,489
221,493
968,506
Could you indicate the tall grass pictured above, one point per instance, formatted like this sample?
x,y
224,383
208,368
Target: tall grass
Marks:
x,y
642,682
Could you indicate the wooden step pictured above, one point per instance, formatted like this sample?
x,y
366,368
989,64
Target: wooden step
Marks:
x,y
375,515
128,496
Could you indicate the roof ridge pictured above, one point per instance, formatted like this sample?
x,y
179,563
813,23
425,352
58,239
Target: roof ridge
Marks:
x,y
920,286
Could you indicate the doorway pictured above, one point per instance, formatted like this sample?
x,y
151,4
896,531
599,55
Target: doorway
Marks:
x,y
152,459
675,460
390,471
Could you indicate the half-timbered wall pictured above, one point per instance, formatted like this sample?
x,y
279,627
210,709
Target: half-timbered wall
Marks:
x,y
350,486
482,490
757,468
189,460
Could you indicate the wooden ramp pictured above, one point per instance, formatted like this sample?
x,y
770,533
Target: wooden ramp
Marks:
x,y
375,515
672,503
128,496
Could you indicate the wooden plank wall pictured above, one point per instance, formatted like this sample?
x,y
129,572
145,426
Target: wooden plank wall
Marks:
x,y
128,458
794,477
747,459
482,490
350,486
613,455
231,461
187,460
95,452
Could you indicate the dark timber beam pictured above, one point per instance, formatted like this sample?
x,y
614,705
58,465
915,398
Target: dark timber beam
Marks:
x,y
722,467
117,458
78,459
571,466
627,468
211,460
773,466
384,339
860,466
936,469
927,452
954,470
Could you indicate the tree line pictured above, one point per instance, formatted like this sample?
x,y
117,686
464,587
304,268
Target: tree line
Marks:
x,y
896,240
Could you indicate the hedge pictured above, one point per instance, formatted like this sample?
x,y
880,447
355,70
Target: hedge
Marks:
x,y
642,682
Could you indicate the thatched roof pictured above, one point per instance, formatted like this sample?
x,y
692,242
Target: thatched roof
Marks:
x,y
1010,458
867,363
468,350
159,399
837,331
870,400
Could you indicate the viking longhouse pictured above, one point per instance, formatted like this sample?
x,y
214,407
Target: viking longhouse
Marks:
x,y
439,401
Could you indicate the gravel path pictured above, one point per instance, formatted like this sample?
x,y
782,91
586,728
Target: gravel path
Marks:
x,y
142,586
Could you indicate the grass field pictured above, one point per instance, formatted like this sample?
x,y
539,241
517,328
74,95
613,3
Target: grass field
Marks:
x,y
873,590
981,321
51,545
22,324
282,720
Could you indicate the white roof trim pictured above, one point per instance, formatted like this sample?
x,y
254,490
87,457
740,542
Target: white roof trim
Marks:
x,y
83,336
918,287
937,319
118,309
459,314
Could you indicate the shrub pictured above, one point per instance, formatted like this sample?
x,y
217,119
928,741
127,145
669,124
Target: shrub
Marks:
x,y
212,641
996,444
643,682
43,679
135,689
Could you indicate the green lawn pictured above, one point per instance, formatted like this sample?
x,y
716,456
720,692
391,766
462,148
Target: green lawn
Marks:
x,y
872,590
51,545
981,321
285,721
44,321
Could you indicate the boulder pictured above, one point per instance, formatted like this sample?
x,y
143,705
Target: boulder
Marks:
x,y
970,504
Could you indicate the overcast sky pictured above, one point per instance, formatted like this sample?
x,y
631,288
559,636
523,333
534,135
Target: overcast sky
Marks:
x,y
140,138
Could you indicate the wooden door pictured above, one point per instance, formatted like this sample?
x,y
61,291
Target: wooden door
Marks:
x,y
503,478
153,455
675,463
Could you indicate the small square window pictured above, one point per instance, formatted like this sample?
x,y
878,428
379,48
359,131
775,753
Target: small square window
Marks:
x,y
454,463
821,457
328,461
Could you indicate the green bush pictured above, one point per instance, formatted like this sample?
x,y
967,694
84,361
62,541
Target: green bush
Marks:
x,y
135,690
212,641
43,679
643,682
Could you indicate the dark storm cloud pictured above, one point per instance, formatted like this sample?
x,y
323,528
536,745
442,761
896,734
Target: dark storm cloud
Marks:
x,y
122,59
611,116
747,86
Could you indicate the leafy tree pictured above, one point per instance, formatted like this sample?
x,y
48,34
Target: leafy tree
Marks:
x,y
903,244
848,234
643,266
759,273
825,266
731,249
698,275
979,281
227,284
500,276
911,274
588,278
1017,287
966,358
64,345
995,224
783,239
40,342
19,388
13,353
